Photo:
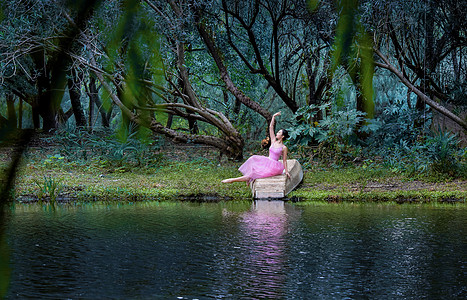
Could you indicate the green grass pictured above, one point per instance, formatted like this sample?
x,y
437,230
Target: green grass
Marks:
x,y
200,178
349,184
170,180
348,175
399,196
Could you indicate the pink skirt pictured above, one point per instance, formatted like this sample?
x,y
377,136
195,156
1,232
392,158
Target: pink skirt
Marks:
x,y
259,166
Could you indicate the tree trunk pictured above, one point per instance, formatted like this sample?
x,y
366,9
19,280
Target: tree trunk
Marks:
x,y
170,118
231,146
48,112
20,114
91,108
193,125
187,89
43,102
231,87
94,100
53,72
74,90
10,102
273,77
427,100
429,60
36,118
456,65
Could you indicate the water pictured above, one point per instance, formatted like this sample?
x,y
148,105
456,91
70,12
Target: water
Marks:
x,y
238,250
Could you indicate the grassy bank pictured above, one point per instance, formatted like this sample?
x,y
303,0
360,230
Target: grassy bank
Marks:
x,y
359,183
198,178
88,168
170,180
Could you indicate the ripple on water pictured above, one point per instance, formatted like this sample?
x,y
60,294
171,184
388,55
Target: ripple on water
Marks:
x,y
262,250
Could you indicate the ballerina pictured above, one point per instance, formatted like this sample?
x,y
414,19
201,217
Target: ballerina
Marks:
x,y
259,166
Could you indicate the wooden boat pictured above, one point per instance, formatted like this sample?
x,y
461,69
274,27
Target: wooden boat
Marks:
x,y
278,186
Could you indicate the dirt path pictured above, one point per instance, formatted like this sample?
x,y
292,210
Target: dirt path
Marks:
x,y
394,185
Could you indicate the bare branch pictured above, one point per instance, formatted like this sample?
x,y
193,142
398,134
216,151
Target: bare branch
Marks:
x,y
433,104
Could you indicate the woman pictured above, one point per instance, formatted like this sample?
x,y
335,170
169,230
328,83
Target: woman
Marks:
x,y
259,166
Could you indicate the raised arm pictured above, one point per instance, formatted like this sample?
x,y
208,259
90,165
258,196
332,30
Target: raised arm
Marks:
x,y
272,134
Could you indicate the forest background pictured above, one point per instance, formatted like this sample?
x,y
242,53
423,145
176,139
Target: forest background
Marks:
x,y
110,84
94,94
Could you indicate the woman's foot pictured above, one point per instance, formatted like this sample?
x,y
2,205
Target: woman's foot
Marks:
x,y
230,180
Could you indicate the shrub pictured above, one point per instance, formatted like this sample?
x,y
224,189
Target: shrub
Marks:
x,y
334,137
108,149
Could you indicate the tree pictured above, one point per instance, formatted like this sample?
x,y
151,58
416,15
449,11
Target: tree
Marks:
x,y
140,82
35,63
422,42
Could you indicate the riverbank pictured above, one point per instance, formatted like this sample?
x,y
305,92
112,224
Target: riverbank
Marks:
x,y
194,173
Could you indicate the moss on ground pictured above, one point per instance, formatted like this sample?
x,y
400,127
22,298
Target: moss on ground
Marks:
x,y
174,180
397,196
199,179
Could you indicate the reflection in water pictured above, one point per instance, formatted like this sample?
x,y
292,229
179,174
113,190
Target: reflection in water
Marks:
x,y
379,252
265,249
254,261
264,229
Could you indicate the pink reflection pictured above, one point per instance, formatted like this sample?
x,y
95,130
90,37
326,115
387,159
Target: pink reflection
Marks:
x,y
264,228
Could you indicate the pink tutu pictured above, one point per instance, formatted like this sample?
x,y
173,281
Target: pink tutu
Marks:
x,y
259,166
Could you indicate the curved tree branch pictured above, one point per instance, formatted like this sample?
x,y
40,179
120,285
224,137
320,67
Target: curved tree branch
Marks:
x,y
226,77
274,78
433,104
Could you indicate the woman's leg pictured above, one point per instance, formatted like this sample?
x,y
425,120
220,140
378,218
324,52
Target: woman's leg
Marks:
x,y
238,179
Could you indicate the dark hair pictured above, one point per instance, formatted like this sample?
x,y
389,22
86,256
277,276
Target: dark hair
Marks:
x,y
285,134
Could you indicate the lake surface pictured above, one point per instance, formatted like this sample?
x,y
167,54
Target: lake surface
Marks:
x,y
241,250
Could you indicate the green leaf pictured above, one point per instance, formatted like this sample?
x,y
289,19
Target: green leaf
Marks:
x,y
313,5
353,49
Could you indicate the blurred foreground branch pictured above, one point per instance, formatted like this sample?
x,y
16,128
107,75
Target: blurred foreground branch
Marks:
x,y
7,183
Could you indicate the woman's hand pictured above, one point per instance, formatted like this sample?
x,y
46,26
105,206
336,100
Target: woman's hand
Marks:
x,y
272,135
